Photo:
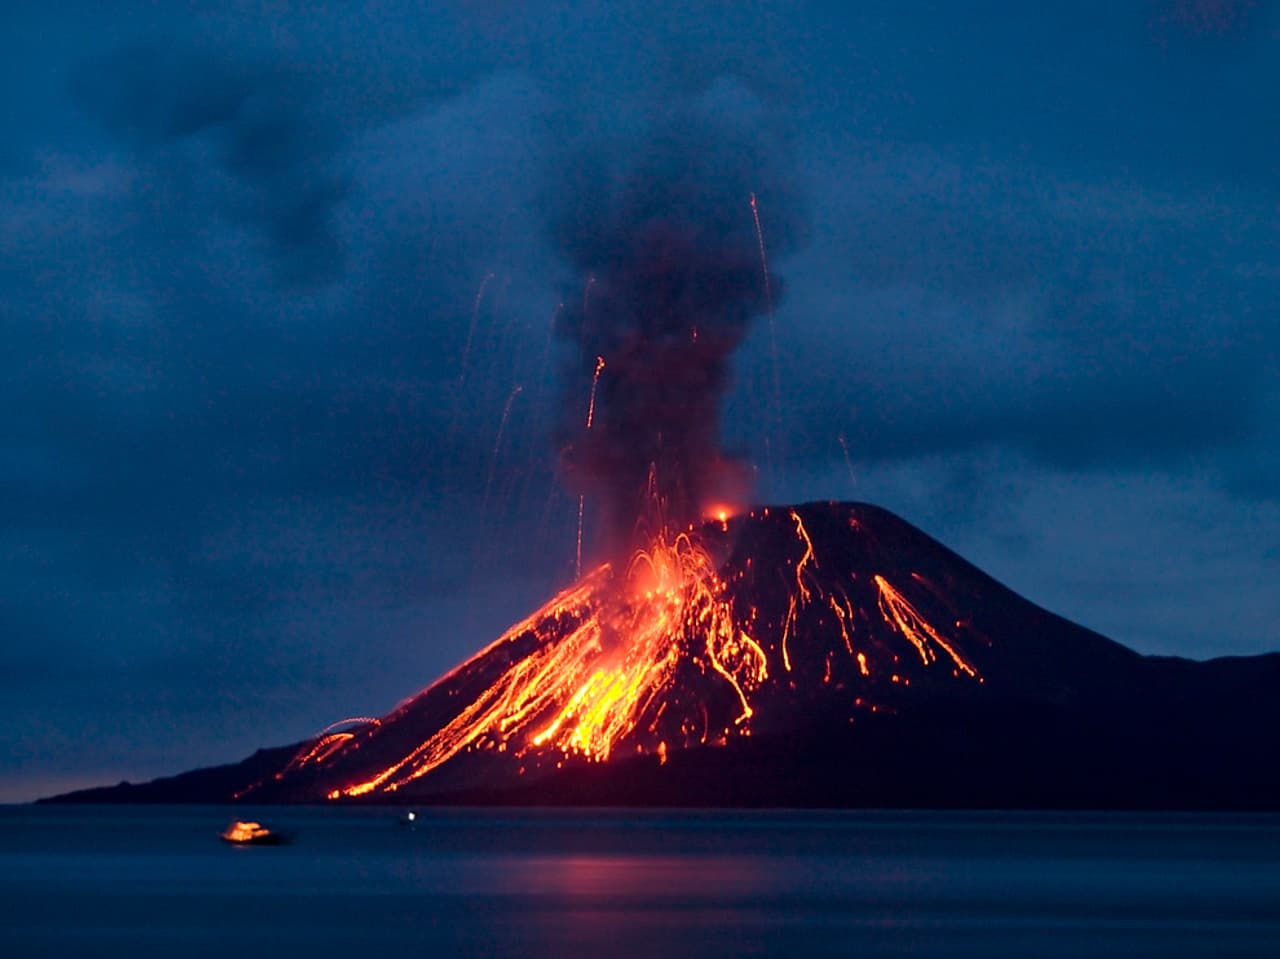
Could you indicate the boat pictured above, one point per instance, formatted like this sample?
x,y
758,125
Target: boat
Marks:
x,y
241,833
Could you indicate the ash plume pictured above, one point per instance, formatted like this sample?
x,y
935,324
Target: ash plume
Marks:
x,y
668,277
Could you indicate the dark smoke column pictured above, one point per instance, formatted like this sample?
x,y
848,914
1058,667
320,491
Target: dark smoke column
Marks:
x,y
669,278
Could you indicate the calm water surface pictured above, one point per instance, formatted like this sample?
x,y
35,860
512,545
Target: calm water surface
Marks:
x,y
156,881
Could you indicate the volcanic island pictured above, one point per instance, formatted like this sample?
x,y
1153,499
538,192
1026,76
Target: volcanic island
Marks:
x,y
823,655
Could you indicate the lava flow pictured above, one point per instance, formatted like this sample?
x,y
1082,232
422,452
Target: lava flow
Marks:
x,y
709,635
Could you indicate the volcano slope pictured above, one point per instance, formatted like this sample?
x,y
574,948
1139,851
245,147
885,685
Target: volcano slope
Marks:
x,y
824,655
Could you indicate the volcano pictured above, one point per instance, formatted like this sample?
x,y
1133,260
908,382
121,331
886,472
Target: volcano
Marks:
x,y
829,655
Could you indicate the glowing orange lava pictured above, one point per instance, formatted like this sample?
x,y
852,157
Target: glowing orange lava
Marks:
x,y
584,693
903,615
607,666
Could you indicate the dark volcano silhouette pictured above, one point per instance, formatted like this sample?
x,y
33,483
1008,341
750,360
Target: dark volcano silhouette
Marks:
x,y
875,667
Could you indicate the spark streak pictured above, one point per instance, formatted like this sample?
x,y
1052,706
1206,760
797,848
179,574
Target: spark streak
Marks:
x,y
591,415
764,261
497,447
768,296
844,445
595,381
471,330
577,566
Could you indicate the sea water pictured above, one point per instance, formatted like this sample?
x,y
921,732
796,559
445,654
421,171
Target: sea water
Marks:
x,y
156,881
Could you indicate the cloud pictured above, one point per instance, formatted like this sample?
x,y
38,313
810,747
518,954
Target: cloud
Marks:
x,y
222,492
946,304
225,139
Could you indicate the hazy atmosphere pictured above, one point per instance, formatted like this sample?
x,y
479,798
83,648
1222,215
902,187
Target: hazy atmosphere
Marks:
x,y
293,305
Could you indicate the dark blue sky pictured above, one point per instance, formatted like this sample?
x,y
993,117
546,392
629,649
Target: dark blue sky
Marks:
x,y
268,281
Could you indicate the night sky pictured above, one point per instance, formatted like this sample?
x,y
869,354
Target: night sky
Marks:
x,y
271,274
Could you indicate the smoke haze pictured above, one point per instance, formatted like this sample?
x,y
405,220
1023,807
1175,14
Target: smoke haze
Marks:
x,y
668,277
